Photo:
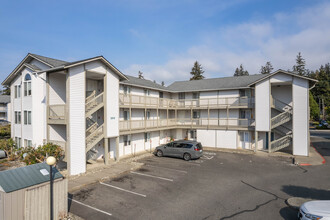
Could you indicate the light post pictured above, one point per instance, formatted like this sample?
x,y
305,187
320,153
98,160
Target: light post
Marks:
x,y
51,161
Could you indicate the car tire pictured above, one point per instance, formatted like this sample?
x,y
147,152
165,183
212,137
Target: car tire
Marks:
x,y
159,153
186,157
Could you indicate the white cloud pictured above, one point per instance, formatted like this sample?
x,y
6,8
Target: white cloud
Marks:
x,y
277,39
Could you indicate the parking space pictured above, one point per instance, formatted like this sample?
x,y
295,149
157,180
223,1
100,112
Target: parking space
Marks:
x,y
217,186
132,191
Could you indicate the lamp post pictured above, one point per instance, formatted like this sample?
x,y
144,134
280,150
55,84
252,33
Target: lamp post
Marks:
x,y
51,161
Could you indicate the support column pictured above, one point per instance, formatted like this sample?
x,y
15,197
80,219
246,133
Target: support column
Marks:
x,y
106,151
256,141
117,149
269,140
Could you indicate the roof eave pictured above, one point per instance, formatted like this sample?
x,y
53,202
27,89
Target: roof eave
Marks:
x,y
147,87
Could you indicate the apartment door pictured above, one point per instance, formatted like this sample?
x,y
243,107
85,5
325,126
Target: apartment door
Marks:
x,y
245,140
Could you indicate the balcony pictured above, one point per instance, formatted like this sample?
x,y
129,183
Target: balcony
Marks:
x,y
137,101
57,114
202,123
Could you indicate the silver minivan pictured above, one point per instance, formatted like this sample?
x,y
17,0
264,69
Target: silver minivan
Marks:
x,y
183,149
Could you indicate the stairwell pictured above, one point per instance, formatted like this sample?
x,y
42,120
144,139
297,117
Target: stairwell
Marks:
x,y
277,125
94,131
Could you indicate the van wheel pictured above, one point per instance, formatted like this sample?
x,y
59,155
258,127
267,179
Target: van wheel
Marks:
x,y
186,156
159,153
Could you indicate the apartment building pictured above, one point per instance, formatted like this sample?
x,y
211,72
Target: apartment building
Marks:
x,y
5,108
94,111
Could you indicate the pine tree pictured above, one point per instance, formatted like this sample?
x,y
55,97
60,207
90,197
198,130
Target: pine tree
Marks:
x,y
300,65
163,84
268,68
140,75
197,72
240,71
5,91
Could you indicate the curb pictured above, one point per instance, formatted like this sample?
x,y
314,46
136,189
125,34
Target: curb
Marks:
x,y
308,164
73,189
296,202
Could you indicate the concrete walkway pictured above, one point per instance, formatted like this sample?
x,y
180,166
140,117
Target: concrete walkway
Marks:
x,y
314,158
99,172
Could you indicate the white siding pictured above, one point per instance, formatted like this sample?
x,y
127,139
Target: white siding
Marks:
x,y
281,77
283,93
207,137
262,106
57,89
226,139
77,120
300,116
112,103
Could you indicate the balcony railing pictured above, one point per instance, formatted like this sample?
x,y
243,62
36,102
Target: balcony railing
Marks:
x,y
185,123
129,100
56,114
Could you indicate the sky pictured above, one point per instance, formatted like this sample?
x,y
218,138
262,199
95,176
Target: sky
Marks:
x,y
163,38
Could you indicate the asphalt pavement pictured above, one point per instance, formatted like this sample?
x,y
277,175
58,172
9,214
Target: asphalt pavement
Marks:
x,y
218,186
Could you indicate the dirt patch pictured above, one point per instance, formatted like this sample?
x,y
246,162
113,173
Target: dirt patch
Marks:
x,y
8,165
83,194
122,179
143,170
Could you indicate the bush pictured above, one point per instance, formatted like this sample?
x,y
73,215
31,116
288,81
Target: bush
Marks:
x,y
32,155
8,146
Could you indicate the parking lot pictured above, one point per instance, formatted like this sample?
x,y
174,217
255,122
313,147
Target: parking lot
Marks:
x,y
218,186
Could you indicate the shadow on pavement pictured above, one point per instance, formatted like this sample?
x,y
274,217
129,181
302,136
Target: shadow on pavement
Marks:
x,y
305,192
288,213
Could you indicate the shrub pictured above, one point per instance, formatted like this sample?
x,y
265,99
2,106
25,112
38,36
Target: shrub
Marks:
x,y
5,131
32,155
8,146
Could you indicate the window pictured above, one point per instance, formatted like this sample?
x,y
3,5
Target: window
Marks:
x,y
181,95
147,137
17,91
27,117
17,117
18,142
27,143
126,115
27,85
161,95
195,95
127,140
196,114
146,92
147,114
127,90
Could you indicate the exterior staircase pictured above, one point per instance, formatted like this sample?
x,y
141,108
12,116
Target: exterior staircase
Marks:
x,y
277,125
94,131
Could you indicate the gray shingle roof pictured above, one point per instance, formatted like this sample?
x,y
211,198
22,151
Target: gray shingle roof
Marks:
x,y
4,98
135,81
32,67
23,177
51,61
224,83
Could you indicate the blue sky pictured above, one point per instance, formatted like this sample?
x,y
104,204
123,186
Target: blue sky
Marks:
x,y
163,38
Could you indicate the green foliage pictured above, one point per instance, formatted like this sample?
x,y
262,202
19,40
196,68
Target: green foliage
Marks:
x,y
140,75
39,154
5,91
314,108
197,72
300,65
8,146
5,131
240,71
268,68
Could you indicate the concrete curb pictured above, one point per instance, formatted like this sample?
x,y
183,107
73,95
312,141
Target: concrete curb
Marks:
x,y
296,202
308,164
124,172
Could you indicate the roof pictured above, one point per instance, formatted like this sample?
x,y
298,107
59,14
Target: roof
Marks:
x,y
32,67
135,81
224,83
4,98
49,61
23,177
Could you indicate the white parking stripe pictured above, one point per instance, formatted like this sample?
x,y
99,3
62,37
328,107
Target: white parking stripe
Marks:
x,y
182,171
158,177
107,213
125,190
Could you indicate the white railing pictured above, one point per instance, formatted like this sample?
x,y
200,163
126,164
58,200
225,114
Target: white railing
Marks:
x,y
281,119
184,122
130,100
95,134
56,112
280,143
279,105
94,101
91,96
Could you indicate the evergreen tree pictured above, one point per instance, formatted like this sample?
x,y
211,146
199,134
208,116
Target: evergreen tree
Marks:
x,y
5,91
163,84
300,65
240,71
140,75
268,68
314,108
197,72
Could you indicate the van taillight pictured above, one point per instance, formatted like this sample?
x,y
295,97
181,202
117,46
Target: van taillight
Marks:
x,y
196,149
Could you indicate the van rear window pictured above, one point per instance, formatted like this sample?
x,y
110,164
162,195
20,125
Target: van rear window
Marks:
x,y
199,146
